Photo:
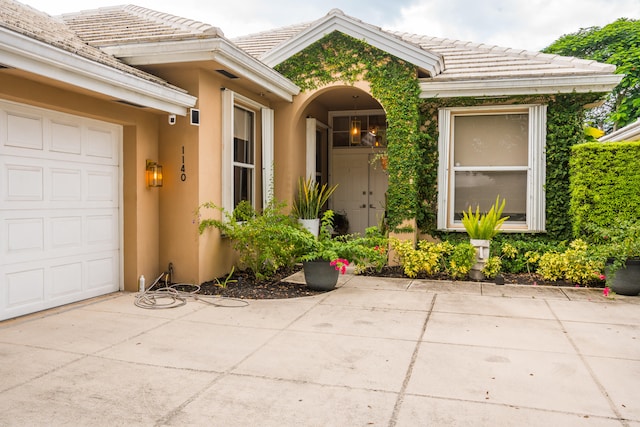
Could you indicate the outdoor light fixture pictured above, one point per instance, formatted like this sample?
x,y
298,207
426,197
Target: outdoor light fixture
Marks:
x,y
154,174
355,131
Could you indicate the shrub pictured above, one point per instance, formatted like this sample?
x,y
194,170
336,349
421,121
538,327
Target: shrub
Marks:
x,y
265,241
430,258
578,264
604,184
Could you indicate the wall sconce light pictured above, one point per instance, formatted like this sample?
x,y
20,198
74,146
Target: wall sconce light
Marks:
x,y
355,131
154,174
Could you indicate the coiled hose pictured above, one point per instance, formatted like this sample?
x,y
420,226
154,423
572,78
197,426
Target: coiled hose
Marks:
x,y
168,296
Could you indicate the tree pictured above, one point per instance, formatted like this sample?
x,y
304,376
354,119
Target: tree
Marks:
x,y
617,43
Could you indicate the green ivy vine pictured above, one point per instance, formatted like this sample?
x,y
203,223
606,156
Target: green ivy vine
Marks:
x,y
565,122
394,83
413,126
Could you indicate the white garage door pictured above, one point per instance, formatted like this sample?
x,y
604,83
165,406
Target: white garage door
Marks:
x,y
59,209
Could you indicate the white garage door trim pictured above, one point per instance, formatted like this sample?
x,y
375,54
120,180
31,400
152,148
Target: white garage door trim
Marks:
x,y
60,209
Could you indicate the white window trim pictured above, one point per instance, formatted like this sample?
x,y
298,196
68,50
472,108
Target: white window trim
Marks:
x,y
231,99
536,204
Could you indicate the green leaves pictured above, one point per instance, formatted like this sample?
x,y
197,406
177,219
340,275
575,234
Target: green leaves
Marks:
x,y
604,185
311,198
617,43
486,225
340,58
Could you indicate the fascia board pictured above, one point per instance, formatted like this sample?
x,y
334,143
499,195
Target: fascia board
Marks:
x,y
526,86
219,50
432,63
36,57
631,132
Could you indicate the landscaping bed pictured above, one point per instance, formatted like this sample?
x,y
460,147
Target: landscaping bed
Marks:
x,y
244,285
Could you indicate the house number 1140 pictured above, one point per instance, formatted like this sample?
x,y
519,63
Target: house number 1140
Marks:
x,y
183,173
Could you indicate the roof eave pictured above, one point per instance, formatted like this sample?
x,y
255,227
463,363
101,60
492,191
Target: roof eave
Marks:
x,y
631,132
218,49
429,62
25,53
519,86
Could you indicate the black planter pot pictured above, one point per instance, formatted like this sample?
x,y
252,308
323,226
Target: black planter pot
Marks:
x,y
625,281
320,275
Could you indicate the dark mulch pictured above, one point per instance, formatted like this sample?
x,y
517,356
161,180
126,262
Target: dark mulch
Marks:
x,y
243,284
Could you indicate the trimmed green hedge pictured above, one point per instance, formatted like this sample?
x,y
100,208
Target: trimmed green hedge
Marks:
x,y
605,184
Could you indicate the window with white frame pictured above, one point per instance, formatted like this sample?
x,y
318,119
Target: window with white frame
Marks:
x,y
491,151
243,155
247,154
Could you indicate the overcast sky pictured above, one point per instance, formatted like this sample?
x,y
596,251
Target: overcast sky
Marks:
x,y
527,24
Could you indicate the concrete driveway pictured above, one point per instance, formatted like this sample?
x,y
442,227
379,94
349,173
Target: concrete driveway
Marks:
x,y
374,352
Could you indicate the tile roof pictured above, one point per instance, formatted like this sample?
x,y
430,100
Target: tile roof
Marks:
x,y
37,25
128,24
462,60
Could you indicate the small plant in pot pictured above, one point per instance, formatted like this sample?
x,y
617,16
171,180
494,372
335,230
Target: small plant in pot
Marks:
x,y
620,246
481,228
326,257
310,199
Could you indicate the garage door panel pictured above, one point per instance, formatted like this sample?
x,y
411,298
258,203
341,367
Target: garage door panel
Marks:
x,y
38,285
66,184
66,233
22,179
59,208
101,144
66,279
25,288
25,131
26,234
102,229
66,138
23,183
102,185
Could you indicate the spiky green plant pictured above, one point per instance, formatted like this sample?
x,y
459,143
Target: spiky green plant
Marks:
x,y
484,226
311,198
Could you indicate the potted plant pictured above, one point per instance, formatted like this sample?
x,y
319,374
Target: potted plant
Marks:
x,y
326,256
481,228
311,198
621,248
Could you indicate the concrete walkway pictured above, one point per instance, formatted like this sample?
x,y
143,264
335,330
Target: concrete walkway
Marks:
x,y
375,352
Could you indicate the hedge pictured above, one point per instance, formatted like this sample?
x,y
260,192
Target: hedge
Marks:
x,y
605,184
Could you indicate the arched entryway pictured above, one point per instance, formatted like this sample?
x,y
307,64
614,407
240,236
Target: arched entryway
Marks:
x,y
346,143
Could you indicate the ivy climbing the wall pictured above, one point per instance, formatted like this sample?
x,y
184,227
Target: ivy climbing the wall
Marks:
x,y
338,57
412,132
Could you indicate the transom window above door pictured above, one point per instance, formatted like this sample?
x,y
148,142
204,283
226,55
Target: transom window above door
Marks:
x,y
359,128
490,151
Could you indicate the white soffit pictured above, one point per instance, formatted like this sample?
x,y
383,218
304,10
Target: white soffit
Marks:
x,y
219,50
432,63
25,53
524,86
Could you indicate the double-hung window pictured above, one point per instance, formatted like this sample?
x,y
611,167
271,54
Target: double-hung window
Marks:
x,y
492,151
243,155
247,151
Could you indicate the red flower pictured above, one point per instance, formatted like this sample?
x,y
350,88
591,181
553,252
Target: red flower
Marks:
x,y
606,291
340,264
